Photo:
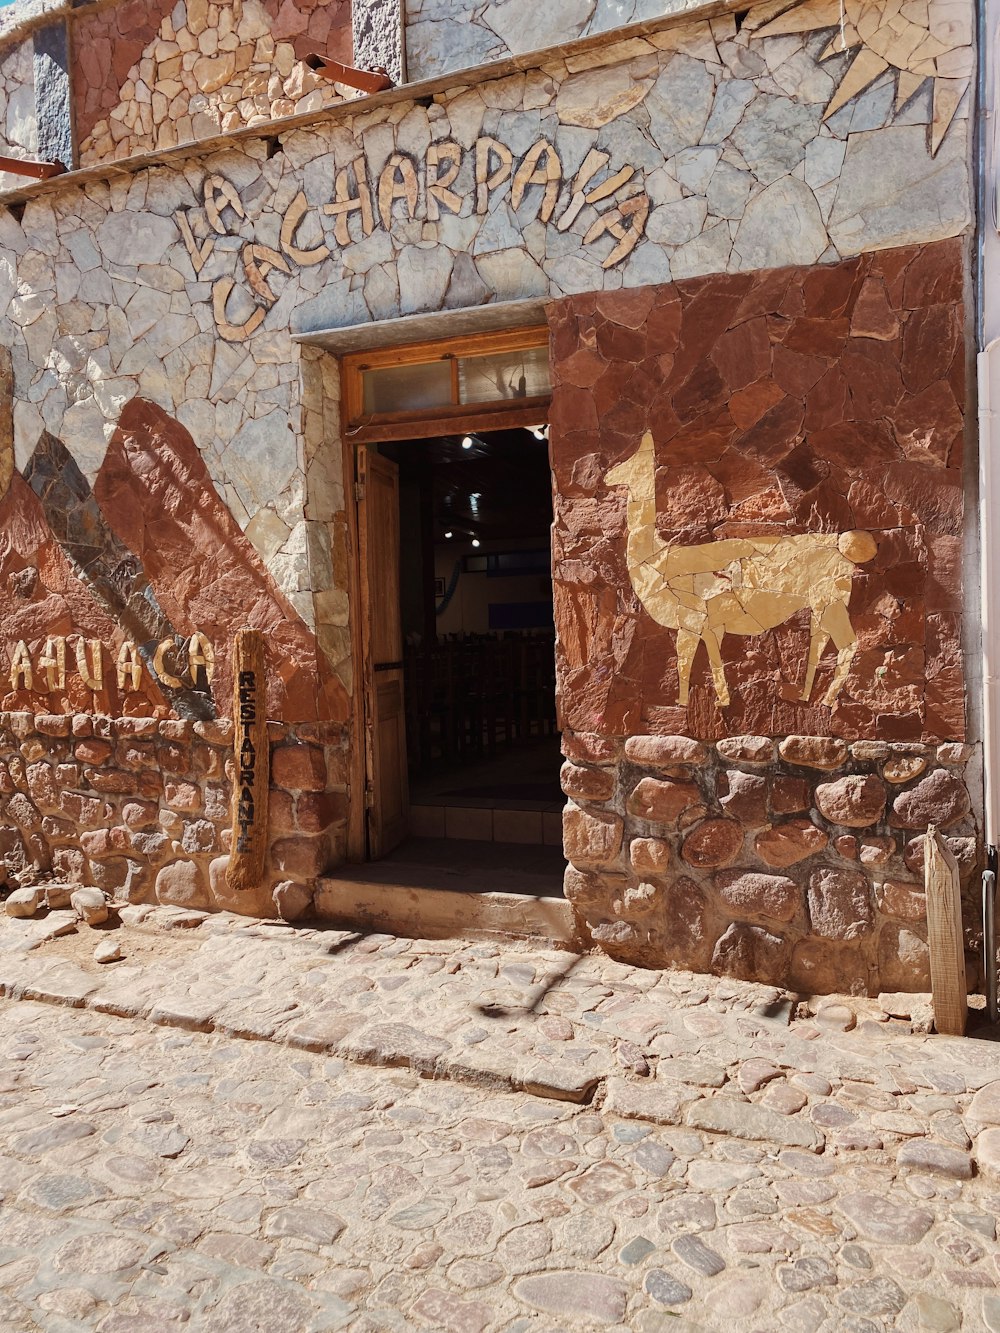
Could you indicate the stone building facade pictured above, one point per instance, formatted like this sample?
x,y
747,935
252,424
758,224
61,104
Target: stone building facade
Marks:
x,y
751,237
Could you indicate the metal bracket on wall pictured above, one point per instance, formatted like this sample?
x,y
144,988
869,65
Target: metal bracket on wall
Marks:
x,y
366,81
21,166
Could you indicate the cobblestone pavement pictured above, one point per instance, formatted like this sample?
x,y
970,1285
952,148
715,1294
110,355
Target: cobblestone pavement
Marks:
x,y
739,1157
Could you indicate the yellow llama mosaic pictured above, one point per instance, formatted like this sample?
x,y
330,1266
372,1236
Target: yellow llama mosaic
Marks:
x,y
741,585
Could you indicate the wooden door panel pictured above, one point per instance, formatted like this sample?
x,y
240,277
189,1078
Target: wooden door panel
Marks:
x,y
387,797
393,788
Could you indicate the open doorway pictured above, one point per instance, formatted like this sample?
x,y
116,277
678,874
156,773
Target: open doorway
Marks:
x,y
463,741
454,644
476,611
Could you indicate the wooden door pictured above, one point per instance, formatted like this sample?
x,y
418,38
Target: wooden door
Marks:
x,y
387,796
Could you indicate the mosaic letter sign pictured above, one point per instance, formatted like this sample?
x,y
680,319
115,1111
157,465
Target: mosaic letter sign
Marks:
x,y
193,658
743,585
408,190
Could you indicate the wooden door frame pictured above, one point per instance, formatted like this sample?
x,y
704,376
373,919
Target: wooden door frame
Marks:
x,y
419,426
357,831
383,693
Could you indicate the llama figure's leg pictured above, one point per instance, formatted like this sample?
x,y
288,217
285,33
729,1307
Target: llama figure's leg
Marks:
x,y
687,644
838,623
818,639
713,644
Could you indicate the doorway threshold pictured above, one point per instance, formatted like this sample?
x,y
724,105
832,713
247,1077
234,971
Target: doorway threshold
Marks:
x,y
436,888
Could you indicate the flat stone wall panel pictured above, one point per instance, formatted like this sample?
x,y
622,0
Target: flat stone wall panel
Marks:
x,y
378,36
442,36
52,95
18,121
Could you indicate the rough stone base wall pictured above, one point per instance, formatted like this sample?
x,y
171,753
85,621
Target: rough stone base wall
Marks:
x,y
796,862
141,808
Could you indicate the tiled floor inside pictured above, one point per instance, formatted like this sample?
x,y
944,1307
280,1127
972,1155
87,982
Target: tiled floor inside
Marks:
x,y
513,798
466,866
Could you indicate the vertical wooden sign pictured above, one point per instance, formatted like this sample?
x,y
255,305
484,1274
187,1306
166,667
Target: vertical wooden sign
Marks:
x,y
252,754
945,937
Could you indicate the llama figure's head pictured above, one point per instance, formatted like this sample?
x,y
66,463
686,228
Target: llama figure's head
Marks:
x,y
637,472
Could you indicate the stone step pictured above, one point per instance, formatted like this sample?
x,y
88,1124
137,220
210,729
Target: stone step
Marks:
x,y
392,904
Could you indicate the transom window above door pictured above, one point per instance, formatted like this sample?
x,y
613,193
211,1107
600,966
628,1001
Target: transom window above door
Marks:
x,y
488,381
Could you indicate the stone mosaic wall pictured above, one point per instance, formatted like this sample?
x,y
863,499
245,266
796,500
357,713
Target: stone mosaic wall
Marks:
x,y
148,555
140,807
180,284
820,401
147,74
864,40
173,458
118,604
150,75
799,863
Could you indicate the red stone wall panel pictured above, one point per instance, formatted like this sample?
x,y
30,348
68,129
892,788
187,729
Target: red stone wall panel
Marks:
x,y
793,401
160,501
828,400
42,595
313,25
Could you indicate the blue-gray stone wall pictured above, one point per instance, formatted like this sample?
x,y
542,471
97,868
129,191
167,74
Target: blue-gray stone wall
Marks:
x,y
378,36
52,100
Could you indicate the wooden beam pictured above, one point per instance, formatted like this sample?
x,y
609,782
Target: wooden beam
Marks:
x,y
459,421
439,349
945,938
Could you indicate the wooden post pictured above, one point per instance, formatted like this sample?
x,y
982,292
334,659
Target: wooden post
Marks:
x,y
945,939
253,762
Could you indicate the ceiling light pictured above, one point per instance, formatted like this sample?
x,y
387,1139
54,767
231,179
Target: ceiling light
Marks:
x,y
539,432
467,442
475,541
449,534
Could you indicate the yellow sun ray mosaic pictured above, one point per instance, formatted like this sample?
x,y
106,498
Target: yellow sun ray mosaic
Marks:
x,y
918,39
